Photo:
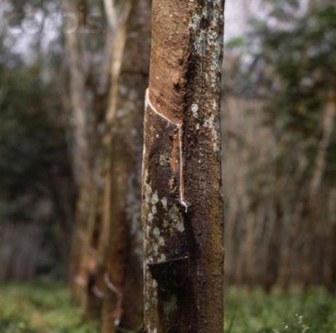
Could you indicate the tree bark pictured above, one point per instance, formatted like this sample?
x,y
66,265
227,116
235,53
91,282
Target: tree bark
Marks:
x,y
182,188
82,128
123,304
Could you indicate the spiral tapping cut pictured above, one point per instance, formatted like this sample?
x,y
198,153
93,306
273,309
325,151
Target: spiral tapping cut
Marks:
x,y
179,126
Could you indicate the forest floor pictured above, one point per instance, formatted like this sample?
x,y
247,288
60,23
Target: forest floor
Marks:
x,y
39,308
256,312
47,308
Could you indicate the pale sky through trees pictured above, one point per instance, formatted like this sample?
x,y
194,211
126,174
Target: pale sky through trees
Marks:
x,y
238,13
237,16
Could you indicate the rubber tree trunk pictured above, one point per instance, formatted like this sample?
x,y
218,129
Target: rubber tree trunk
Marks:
x,y
123,302
182,188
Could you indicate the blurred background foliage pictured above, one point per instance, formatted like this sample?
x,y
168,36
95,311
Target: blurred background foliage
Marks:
x,y
279,139
36,187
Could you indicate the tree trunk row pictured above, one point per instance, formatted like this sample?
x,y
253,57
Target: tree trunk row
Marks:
x,y
182,208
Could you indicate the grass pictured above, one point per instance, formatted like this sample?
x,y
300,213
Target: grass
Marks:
x,y
256,312
47,308
39,308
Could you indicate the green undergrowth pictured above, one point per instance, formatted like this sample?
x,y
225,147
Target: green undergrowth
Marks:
x,y
256,312
47,308
39,308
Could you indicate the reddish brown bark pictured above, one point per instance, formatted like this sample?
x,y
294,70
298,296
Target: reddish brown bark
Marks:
x,y
182,199
123,281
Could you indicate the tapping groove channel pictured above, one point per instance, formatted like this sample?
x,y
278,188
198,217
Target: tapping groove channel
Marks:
x,y
179,126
